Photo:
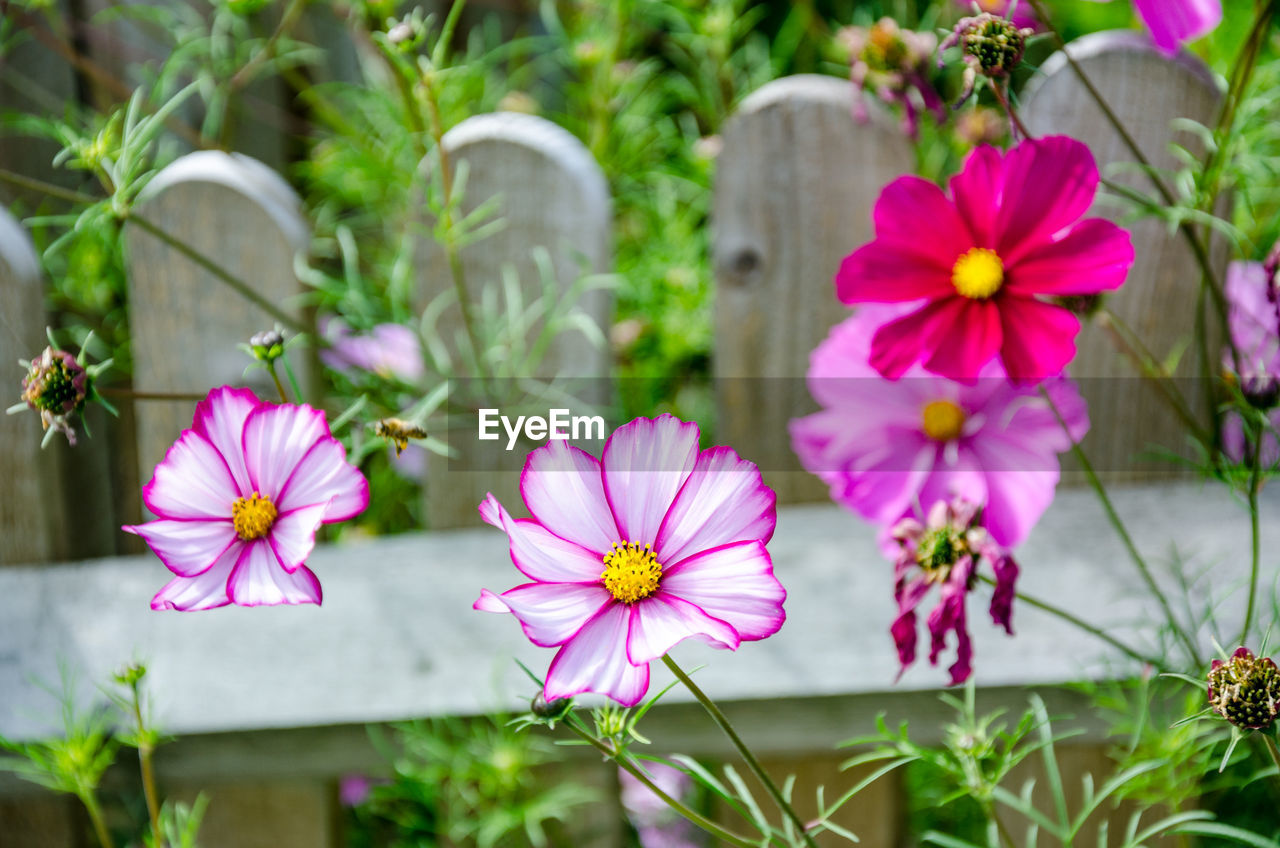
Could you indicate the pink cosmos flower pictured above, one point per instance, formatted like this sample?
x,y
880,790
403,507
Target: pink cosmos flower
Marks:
x,y
657,824
240,496
388,350
628,555
1175,22
887,447
946,551
979,262
1255,330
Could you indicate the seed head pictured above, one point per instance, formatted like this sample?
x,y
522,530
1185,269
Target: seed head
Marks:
x,y
1245,690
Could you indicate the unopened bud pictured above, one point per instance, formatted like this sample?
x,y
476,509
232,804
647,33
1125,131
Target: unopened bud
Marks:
x,y
552,710
268,345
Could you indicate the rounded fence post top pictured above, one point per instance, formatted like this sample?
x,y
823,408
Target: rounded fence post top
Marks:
x,y
1097,44
244,175
818,87
551,141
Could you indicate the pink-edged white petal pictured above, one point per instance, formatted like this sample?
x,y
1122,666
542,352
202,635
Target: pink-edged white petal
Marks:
x,y
735,584
661,622
205,591
724,500
646,461
596,661
293,536
323,476
276,438
540,554
259,580
549,613
191,482
562,486
187,548
220,418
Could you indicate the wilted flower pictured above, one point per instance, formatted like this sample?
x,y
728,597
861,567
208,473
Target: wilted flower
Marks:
x,y
1245,690
893,63
388,350
240,496
628,555
1174,22
991,46
56,387
656,824
885,446
946,551
976,264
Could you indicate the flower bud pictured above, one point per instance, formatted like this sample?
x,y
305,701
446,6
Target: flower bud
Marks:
x,y
552,710
55,383
130,674
268,345
991,45
1245,690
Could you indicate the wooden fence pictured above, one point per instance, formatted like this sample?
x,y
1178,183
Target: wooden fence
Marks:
x,y
396,638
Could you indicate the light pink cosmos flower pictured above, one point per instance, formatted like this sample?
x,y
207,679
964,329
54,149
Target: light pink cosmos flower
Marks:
x,y
979,262
1175,22
240,496
887,447
628,555
388,350
657,824
946,551
1255,329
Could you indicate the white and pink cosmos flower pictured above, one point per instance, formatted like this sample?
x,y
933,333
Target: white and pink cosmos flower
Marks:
x,y
630,554
239,497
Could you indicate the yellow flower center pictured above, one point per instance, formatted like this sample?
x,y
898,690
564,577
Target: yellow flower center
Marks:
x,y
978,273
253,516
943,420
631,572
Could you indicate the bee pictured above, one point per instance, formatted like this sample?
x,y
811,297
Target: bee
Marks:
x,y
398,432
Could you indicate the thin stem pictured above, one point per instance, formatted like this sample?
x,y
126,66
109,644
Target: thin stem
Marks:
x,y
1271,749
240,286
687,812
136,395
148,773
1255,537
1146,363
1114,517
1003,99
45,188
275,378
1081,624
749,758
90,802
1005,836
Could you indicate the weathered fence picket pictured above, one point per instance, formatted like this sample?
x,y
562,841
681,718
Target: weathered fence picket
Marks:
x,y
553,195
185,321
30,519
1150,92
794,188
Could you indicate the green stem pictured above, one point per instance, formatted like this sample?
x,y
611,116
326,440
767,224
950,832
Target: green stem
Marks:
x,y
239,286
749,758
148,773
687,812
1142,357
1081,624
1255,537
48,189
90,802
1116,522
1271,749
1005,836
1003,100
275,378
136,395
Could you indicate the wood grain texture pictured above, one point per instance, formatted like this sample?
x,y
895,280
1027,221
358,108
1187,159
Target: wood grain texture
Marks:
x,y
186,322
553,195
1149,92
30,522
794,189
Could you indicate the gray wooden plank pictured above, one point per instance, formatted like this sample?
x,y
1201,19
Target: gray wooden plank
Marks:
x,y
396,636
186,322
31,526
1149,91
552,195
795,184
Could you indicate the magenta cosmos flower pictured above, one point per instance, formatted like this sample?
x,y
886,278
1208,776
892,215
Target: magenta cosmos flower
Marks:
x,y
887,447
946,551
240,496
1175,22
977,263
628,555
